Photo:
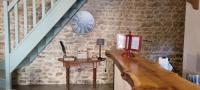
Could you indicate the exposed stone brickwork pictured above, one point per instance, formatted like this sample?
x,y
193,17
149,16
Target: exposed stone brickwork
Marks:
x,y
1,34
160,22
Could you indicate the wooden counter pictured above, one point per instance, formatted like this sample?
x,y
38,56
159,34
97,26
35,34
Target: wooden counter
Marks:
x,y
142,74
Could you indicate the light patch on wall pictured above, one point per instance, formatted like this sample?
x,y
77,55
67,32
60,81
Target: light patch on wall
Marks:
x,y
198,63
191,62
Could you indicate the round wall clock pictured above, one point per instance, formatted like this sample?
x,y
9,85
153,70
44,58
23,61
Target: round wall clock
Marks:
x,y
83,22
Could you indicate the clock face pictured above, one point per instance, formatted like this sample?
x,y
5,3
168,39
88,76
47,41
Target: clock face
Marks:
x,y
83,22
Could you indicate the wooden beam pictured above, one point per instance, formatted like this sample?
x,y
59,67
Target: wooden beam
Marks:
x,y
195,4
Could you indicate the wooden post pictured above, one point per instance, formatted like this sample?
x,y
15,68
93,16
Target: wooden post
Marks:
x,y
94,74
67,77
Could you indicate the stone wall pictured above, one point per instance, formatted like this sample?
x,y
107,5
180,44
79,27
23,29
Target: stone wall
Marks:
x,y
1,33
160,22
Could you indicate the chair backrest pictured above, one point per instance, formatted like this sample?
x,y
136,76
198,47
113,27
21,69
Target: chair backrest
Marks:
x,y
63,48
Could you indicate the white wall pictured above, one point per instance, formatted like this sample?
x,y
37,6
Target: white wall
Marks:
x,y
191,58
119,83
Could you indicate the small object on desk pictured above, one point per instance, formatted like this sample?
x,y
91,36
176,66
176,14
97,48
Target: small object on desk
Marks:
x,y
127,47
65,57
69,64
100,58
69,58
164,63
124,42
120,41
63,49
93,58
129,43
82,54
100,42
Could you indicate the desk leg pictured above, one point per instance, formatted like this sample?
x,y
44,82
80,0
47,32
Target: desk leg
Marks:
x,y
94,74
67,77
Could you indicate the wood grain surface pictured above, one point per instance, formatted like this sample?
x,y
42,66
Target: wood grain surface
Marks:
x,y
143,74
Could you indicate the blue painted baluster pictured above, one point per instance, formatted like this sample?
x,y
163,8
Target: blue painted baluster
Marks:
x,y
7,45
52,3
34,12
43,8
25,18
16,25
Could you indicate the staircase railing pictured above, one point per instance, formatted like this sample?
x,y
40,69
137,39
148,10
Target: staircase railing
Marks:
x,y
14,36
30,18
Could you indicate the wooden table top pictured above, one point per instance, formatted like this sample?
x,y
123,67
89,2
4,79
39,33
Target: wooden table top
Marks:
x,y
142,74
89,60
78,62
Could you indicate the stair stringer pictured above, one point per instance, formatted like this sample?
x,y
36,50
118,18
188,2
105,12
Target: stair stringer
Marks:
x,y
39,32
2,84
2,65
53,32
2,79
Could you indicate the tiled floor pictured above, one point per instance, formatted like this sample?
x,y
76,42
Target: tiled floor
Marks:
x,y
63,87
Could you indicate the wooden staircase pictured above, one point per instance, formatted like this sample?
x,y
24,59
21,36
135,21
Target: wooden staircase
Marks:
x,y
36,39
2,79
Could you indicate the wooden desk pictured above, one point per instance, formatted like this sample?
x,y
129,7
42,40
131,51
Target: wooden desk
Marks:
x,y
142,74
68,64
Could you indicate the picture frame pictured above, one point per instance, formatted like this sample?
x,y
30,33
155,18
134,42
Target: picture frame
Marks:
x,y
82,54
121,39
136,42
